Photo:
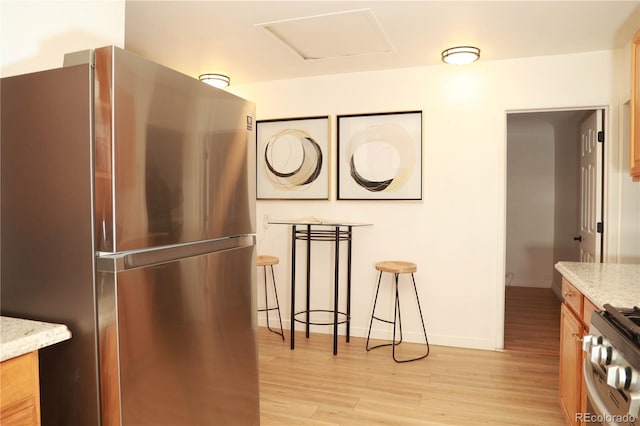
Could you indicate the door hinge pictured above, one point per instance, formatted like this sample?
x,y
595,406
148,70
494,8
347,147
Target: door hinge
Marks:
x,y
601,136
599,227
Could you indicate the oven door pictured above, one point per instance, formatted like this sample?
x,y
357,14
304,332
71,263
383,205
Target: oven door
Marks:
x,y
605,404
595,405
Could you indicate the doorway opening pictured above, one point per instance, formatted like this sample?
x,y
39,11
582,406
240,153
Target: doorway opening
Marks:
x,y
543,222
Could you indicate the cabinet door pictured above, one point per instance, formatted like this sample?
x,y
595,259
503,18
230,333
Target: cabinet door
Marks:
x,y
20,401
570,364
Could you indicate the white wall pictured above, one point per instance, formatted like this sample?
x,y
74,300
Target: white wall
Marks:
x,y
35,35
457,233
530,202
623,197
628,250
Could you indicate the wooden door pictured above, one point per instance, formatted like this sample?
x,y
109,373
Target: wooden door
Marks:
x,y
591,225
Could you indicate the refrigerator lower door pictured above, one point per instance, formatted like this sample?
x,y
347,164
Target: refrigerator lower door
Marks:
x,y
178,342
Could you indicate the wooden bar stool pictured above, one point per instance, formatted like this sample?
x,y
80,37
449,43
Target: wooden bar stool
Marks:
x,y
268,262
396,268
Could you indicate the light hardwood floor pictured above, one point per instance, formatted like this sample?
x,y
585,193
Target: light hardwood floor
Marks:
x,y
310,386
532,320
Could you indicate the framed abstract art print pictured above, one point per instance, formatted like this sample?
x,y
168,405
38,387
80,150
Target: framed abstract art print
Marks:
x,y
292,158
380,156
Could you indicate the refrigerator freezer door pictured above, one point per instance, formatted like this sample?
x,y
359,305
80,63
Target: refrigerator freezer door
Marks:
x,y
185,337
175,157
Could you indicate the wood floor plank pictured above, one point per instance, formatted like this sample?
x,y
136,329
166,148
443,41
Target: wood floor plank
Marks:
x,y
532,320
453,386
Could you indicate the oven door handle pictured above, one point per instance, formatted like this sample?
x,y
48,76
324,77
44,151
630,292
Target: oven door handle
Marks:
x,y
592,389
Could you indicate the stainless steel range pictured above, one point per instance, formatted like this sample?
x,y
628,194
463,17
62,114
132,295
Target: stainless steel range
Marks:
x,y
612,367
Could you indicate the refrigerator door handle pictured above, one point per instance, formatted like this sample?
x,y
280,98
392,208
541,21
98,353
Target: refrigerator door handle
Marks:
x,y
126,260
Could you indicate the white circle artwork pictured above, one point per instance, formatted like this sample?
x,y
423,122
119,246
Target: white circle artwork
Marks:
x,y
381,157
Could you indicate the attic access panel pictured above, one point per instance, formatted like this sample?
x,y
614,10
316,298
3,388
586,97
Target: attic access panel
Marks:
x,y
349,33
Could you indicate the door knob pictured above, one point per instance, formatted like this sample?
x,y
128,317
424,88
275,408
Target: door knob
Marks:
x,y
578,238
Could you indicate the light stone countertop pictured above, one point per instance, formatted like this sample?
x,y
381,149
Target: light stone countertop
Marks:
x,y
20,336
614,283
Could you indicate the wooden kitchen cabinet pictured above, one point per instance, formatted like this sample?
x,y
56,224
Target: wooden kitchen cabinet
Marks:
x,y
20,391
20,340
571,331
575,315
635,108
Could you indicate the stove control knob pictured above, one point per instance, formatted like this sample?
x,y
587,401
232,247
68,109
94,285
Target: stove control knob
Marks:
x,y
623,378
594,355
616,377
607,355
603,355
590,341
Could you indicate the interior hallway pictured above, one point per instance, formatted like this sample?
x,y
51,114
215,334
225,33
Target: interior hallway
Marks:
x,y
532,320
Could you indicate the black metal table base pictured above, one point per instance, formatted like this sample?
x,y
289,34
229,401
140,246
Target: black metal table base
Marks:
x,y
336,235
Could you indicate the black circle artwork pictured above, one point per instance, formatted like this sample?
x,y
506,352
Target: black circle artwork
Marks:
x,y
298,170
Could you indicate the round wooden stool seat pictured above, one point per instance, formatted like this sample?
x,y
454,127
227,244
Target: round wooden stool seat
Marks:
x,y
267,260
397,267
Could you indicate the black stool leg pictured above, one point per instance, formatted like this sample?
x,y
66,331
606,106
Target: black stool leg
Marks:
x,y
266,301
399,318
373,313
373,316
266,297
424,330
275,292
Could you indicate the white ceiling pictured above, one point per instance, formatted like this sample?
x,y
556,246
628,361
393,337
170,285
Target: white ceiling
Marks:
x,y
197,37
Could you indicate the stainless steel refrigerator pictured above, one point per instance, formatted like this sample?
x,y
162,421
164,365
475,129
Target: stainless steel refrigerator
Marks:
x,y
128,214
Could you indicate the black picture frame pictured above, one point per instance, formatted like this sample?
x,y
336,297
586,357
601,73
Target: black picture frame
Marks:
x,y
380,156
292,158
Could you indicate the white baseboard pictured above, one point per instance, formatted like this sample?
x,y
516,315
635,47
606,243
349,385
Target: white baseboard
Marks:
x,y
380,334
531,283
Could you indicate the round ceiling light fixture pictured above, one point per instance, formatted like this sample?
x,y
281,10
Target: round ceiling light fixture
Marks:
x,y
216,80
460,55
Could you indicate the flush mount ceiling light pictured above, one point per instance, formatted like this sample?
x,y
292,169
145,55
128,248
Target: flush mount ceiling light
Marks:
x,y
216,80
460,55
